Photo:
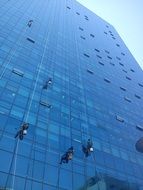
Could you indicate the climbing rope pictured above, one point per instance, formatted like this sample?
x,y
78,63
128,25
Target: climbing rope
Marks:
x,y
12,160
88,131
58,180
39,68
37,79
15,153
28,167
14,50
15,164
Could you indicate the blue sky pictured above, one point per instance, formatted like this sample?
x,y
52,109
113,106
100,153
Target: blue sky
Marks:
x,y
127,17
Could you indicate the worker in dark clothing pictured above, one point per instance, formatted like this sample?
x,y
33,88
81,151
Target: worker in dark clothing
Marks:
x,y
50,81
30,23
88,148
67,156
22,131
47,83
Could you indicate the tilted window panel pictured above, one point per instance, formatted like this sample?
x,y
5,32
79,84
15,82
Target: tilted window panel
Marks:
x,y
86,55
89,71
124,70
107,80
92,35
139,127
18,72
101,63
97,50
81,29
137,96
77,13
31,40
46,104
82,37
127,99
122,88
68,7
119,118
128,78
140,84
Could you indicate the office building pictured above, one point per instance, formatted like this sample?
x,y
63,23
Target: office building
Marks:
x,y
66,76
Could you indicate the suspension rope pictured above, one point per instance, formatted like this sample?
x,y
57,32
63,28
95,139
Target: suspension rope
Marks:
x,y
58,180
37,79
28,167
31,100
10,168
85,111
14,50
15,164
88,131
15,153
13,53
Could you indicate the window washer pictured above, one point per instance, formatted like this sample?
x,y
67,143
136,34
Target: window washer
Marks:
x,y
30,23
49,82
67,156
45,85
22,131
88,148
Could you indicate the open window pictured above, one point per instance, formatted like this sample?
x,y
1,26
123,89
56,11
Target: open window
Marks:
x,y
18,72
118,58
122,88
141,85
86,55
137,96
99,56
46,104
132,70
122,53
86,17
107,52
81,29
92,35
139,127
82,37
112,64
127,99
77,13
107,80
89,71
124,70
101,63
128,78
109,57
97,50
31,40
117,45
121,64
119,118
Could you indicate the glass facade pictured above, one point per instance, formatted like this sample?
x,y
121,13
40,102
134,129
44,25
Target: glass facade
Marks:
x,y
67,73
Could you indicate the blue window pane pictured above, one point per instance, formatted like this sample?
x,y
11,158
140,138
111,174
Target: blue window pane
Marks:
x,y
5,160
52,176
67,182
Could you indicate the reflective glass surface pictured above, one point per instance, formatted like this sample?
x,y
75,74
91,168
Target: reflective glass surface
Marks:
x,y
68,74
